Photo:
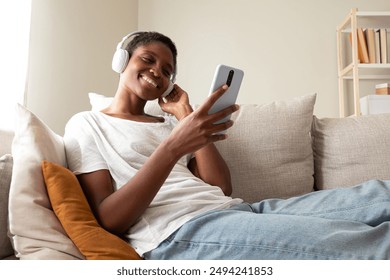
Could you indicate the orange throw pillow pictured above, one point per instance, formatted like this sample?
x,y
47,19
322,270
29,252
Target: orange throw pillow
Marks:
x,y
72,209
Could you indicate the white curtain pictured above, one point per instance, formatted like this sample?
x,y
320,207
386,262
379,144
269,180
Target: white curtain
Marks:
x,y
15,17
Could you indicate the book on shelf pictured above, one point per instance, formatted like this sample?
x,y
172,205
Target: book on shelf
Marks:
x,y
383,42
361,55
377,47
362,44
373,45
370,40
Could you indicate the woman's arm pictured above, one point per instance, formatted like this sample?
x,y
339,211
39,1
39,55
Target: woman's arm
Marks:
x,y
208,164
117,211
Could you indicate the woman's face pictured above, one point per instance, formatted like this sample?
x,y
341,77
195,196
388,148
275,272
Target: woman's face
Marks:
x,y
149,70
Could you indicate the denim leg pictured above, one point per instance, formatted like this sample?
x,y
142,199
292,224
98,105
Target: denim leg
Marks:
x,y
235,234
368,203
350,223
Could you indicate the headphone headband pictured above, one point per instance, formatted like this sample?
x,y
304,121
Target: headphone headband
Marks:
x,y
121,43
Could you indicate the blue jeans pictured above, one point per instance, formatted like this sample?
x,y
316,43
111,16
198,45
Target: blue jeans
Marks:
x,y
345,223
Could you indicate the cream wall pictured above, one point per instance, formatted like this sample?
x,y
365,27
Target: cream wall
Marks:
x,y
286,48
71,47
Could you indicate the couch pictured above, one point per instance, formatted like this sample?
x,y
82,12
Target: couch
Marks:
x,y
279,149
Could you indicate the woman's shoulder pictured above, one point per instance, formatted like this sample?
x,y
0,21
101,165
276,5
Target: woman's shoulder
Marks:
x,y
83,116
80,120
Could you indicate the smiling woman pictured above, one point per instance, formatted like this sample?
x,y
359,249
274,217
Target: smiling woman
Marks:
x,y
153,152
13,56
160,181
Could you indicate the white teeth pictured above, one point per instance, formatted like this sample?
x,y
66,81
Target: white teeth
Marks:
x,y
150,81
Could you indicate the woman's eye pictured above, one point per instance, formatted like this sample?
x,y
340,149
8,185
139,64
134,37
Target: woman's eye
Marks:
x,y
147,59
151,60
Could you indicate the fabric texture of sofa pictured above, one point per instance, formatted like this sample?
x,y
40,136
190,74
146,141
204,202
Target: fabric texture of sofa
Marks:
x,y
279,149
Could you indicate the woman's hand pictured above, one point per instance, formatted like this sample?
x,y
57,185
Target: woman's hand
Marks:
x,y
198,129
176,103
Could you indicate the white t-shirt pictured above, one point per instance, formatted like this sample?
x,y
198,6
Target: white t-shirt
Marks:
x,y
94,141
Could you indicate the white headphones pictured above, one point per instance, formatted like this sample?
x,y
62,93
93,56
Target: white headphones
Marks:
x,y
121,59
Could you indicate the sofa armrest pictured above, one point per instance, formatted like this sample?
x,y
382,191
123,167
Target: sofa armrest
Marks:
x,y
6,250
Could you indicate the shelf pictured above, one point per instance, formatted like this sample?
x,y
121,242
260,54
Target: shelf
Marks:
x,y
349,67
372,14
368,71
373,19
366,19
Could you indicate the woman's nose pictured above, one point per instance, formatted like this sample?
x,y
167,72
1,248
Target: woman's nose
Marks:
x,y
155,72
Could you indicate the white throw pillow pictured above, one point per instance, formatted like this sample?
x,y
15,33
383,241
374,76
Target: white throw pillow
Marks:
x,y
35,230
99,101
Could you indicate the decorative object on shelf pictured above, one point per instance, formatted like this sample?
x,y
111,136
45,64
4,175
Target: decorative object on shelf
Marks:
x,y
375,104
382,88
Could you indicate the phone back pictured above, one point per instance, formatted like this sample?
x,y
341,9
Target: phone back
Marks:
x,y
232,77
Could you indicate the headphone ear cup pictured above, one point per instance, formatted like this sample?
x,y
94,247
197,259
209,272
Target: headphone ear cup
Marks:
x,y
168,90
120,60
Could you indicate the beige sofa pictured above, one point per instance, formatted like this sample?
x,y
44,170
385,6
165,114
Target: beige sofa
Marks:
x,y
277,149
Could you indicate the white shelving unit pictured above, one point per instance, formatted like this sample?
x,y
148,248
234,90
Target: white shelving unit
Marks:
x,y
349,66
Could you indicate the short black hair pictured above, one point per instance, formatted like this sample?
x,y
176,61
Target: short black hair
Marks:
x,y
145,38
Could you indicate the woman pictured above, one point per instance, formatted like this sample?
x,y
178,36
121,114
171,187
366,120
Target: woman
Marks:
x,y
161,182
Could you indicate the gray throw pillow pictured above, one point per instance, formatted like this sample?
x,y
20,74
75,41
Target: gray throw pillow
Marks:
x,y
269,151
349,151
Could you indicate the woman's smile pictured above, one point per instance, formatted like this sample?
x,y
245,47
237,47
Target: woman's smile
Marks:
x,y
149,80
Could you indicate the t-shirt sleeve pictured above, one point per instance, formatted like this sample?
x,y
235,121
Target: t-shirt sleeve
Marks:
x,y
82,153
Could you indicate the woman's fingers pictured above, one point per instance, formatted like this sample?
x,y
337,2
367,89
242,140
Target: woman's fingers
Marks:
x,y
220,115
206,106
201,127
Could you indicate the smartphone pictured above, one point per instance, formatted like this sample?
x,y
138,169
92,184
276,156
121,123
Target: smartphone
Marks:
x,y
232,77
